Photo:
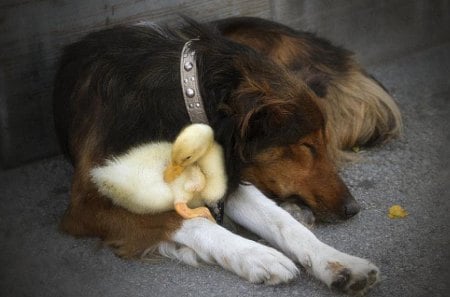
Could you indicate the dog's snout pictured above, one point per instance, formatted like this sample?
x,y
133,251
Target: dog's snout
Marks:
x,y
351,208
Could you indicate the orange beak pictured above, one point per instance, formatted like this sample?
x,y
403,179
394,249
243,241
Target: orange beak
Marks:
x,y
172,172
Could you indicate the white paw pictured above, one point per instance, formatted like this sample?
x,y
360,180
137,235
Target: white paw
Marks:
x,y
347,273
260,264
214,244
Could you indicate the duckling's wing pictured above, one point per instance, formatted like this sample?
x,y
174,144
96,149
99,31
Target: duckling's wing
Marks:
x,y
212,164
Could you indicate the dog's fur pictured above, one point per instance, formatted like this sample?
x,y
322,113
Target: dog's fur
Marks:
x,y
359,110
120,88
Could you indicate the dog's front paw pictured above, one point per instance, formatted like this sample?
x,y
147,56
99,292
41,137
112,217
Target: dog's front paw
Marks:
x,y
347,273
261,264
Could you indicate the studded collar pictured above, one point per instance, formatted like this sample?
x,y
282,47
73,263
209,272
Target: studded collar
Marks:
x,y
189,84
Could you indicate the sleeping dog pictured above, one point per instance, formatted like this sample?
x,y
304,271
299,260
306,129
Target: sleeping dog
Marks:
x,y
283,104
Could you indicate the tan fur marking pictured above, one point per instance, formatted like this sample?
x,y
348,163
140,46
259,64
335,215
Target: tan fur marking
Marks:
x,y
303,169
358,110
289,49
335,267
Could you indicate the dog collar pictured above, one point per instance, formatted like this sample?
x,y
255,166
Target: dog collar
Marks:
x,y
194,104
189,85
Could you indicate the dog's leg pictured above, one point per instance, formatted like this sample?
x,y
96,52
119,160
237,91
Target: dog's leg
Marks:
x,y
200,239
130,235
250,208
303,214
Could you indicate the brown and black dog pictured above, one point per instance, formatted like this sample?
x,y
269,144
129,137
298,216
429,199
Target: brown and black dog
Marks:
x,y
283,104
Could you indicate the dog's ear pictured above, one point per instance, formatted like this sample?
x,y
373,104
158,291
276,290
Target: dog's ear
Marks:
x,y
264,116
271,114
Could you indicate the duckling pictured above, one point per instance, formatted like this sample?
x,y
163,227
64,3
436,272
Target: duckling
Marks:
x,y
189,147
161,176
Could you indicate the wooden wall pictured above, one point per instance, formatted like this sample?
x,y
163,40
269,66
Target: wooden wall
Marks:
x,y
32,33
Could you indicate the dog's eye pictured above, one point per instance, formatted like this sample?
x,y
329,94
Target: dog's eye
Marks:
x,y
295,151
312,149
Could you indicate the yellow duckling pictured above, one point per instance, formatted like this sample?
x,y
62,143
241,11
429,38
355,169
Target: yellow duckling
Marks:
x,y
157,177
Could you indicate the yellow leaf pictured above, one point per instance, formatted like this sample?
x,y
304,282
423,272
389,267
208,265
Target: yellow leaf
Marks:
x,y
397,212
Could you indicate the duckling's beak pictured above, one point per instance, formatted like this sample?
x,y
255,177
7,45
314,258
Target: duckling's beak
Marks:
x,y
172,172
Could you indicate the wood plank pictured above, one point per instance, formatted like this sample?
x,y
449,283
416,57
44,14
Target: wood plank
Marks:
x,y
374,30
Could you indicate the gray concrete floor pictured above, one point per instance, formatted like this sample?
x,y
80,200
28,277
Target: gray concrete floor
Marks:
x,y
413,253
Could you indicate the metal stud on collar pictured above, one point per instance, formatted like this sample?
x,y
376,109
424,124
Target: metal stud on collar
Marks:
x,y
189,85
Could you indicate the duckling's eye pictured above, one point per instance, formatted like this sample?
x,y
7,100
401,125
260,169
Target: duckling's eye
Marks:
x,y
187,158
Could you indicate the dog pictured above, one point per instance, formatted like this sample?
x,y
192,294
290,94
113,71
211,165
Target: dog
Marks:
x,y
272,108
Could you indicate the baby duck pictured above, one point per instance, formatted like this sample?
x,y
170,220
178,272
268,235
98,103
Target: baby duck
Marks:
x,y
195,146
189,147
158,177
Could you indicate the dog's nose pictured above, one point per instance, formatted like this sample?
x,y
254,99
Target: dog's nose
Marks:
x,y
351,208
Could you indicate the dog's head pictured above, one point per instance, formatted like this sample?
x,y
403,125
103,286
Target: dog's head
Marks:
x,y
283,144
